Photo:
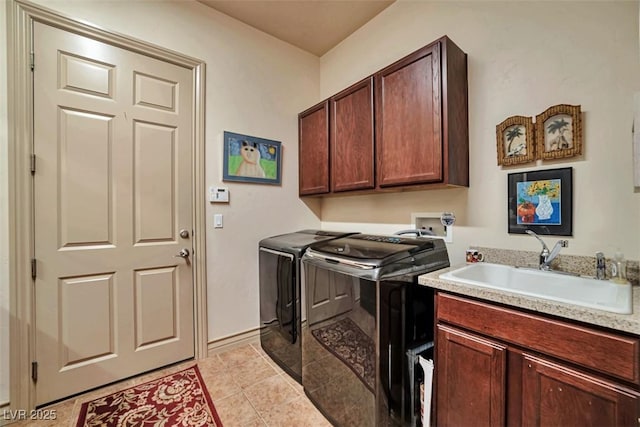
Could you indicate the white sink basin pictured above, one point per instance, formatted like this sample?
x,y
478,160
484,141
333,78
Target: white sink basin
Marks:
x,y
586,292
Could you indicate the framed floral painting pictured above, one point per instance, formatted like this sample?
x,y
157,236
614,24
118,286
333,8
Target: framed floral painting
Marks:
x,y
541,201
559,132
515,142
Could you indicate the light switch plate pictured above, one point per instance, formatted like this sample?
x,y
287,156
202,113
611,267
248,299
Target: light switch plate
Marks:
x,y
217,221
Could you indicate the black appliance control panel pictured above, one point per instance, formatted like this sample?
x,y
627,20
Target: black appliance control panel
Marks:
x,y
382,239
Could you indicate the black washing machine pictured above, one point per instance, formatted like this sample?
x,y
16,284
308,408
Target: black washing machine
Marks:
x,y
367,318
280,295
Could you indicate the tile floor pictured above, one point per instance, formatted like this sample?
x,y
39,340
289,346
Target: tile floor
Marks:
x,y
246,386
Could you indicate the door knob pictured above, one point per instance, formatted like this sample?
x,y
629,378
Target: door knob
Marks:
x,y
184,253
184,234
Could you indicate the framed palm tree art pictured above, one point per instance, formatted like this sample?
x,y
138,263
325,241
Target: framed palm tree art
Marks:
x,y
559,132
515,141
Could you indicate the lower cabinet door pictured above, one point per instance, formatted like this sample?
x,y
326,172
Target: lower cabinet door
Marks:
x,y
553,394
471,379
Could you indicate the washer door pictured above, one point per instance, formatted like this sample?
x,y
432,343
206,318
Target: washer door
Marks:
x,y
278,294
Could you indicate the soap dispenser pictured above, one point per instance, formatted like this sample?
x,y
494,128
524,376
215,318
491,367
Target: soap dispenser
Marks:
x,y
619,269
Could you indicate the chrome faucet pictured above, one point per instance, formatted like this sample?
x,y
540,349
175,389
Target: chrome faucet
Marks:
x,y
601,268
547,256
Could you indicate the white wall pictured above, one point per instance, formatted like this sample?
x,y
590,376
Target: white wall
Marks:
x,y
4,220
523,57
256,85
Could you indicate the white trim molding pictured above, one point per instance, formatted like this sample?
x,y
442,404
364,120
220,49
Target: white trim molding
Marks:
x,y
246,337
21,15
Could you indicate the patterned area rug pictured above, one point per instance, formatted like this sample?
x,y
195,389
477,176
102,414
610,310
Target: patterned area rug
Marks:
x,y
179,399
352,346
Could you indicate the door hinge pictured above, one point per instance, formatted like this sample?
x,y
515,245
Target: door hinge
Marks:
x,y
33,164
33,268
32,61
34,371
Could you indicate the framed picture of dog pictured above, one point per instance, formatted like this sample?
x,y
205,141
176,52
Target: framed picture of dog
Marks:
x,y
251,159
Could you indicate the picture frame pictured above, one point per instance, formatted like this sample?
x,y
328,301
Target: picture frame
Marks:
x,y
251,159
541,201
559,132
636,141
515,141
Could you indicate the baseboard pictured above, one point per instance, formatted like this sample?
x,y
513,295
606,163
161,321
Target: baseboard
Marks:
x,y
221,344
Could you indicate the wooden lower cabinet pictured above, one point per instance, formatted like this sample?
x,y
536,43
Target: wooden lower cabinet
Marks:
x,y
554,394
481,380
471,384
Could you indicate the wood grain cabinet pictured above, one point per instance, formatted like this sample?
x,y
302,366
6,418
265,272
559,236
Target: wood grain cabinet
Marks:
x,y
554,394
352,138
421,118
501,366
404,127
472,379
313,150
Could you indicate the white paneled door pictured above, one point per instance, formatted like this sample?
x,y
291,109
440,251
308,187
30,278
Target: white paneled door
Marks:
x,y
112,193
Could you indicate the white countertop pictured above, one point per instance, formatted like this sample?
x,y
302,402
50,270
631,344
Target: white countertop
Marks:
x,y
621,322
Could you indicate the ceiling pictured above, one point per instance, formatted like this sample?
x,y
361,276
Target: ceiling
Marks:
x,y
312,25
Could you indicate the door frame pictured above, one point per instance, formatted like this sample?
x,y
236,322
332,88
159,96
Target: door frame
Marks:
x,y
21,15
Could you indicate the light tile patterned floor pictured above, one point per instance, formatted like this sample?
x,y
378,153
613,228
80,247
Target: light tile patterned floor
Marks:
x,y
247,388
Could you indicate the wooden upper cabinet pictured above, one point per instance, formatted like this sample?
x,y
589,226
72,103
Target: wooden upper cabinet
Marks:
x,y
405,126
421,118
313,150
408,115
352,138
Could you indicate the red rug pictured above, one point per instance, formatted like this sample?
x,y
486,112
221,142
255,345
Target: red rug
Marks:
x,y
179,399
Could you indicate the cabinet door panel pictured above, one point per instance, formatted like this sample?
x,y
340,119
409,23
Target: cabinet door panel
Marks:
x,y
313,165
555,395
352,152
471,379
610,353
409,120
